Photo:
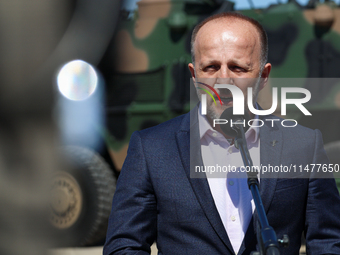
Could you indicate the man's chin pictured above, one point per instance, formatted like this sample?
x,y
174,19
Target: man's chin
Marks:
x,y
215,113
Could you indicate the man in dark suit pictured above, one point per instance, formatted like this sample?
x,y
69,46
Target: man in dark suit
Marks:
x,y
157,200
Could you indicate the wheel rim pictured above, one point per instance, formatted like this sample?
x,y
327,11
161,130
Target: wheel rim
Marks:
x,y
66,201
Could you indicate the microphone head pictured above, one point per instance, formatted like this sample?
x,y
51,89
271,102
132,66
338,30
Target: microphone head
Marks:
x,y
236,121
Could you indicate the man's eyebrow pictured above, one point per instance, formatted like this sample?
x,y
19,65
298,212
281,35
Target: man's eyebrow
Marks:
x,y
238,63
209,62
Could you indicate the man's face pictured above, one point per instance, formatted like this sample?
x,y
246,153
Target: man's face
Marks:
x,y
227,51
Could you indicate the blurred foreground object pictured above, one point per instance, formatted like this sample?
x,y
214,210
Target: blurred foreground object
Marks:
x,y
82,192
37,38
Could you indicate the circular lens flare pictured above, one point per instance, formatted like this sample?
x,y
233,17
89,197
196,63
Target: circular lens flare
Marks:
x,y
77,80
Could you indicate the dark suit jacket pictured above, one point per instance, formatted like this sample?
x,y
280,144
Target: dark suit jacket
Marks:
x,y
156,200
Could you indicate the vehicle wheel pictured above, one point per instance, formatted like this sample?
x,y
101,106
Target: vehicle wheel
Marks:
x,y
81,198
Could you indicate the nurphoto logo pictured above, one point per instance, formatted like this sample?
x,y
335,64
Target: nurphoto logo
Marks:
x,y
238,103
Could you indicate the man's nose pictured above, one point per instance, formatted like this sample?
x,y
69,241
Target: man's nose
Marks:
x,y
223,72
223,76
224,79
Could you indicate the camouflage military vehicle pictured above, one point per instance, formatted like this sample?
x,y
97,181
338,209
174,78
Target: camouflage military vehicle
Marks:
x,y
304,46
147,79
151,51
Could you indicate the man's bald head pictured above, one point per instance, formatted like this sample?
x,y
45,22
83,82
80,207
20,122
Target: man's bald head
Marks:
x,y
233,16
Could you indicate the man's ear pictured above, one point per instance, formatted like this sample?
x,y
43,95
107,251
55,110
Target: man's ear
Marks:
x,y
192,71
265,75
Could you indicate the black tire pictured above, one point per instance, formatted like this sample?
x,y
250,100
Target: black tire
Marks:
x,y
82,198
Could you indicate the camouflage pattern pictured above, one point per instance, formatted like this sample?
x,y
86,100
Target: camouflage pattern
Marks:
x,y
304,42
151,50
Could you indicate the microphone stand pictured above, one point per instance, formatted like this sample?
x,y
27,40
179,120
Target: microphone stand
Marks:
x,y
267,240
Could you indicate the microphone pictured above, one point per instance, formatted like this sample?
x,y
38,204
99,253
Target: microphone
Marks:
x,y
237,129
236,123
266,237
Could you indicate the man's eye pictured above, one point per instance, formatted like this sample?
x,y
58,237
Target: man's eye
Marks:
x,y
211,67
238,69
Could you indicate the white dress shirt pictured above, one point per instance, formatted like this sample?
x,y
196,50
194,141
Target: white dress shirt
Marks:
x,y
230,190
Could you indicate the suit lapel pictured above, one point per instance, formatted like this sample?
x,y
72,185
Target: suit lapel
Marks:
x,y
199,182
270,154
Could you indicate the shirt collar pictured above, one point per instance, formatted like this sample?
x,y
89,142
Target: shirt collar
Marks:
x,y
252,134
